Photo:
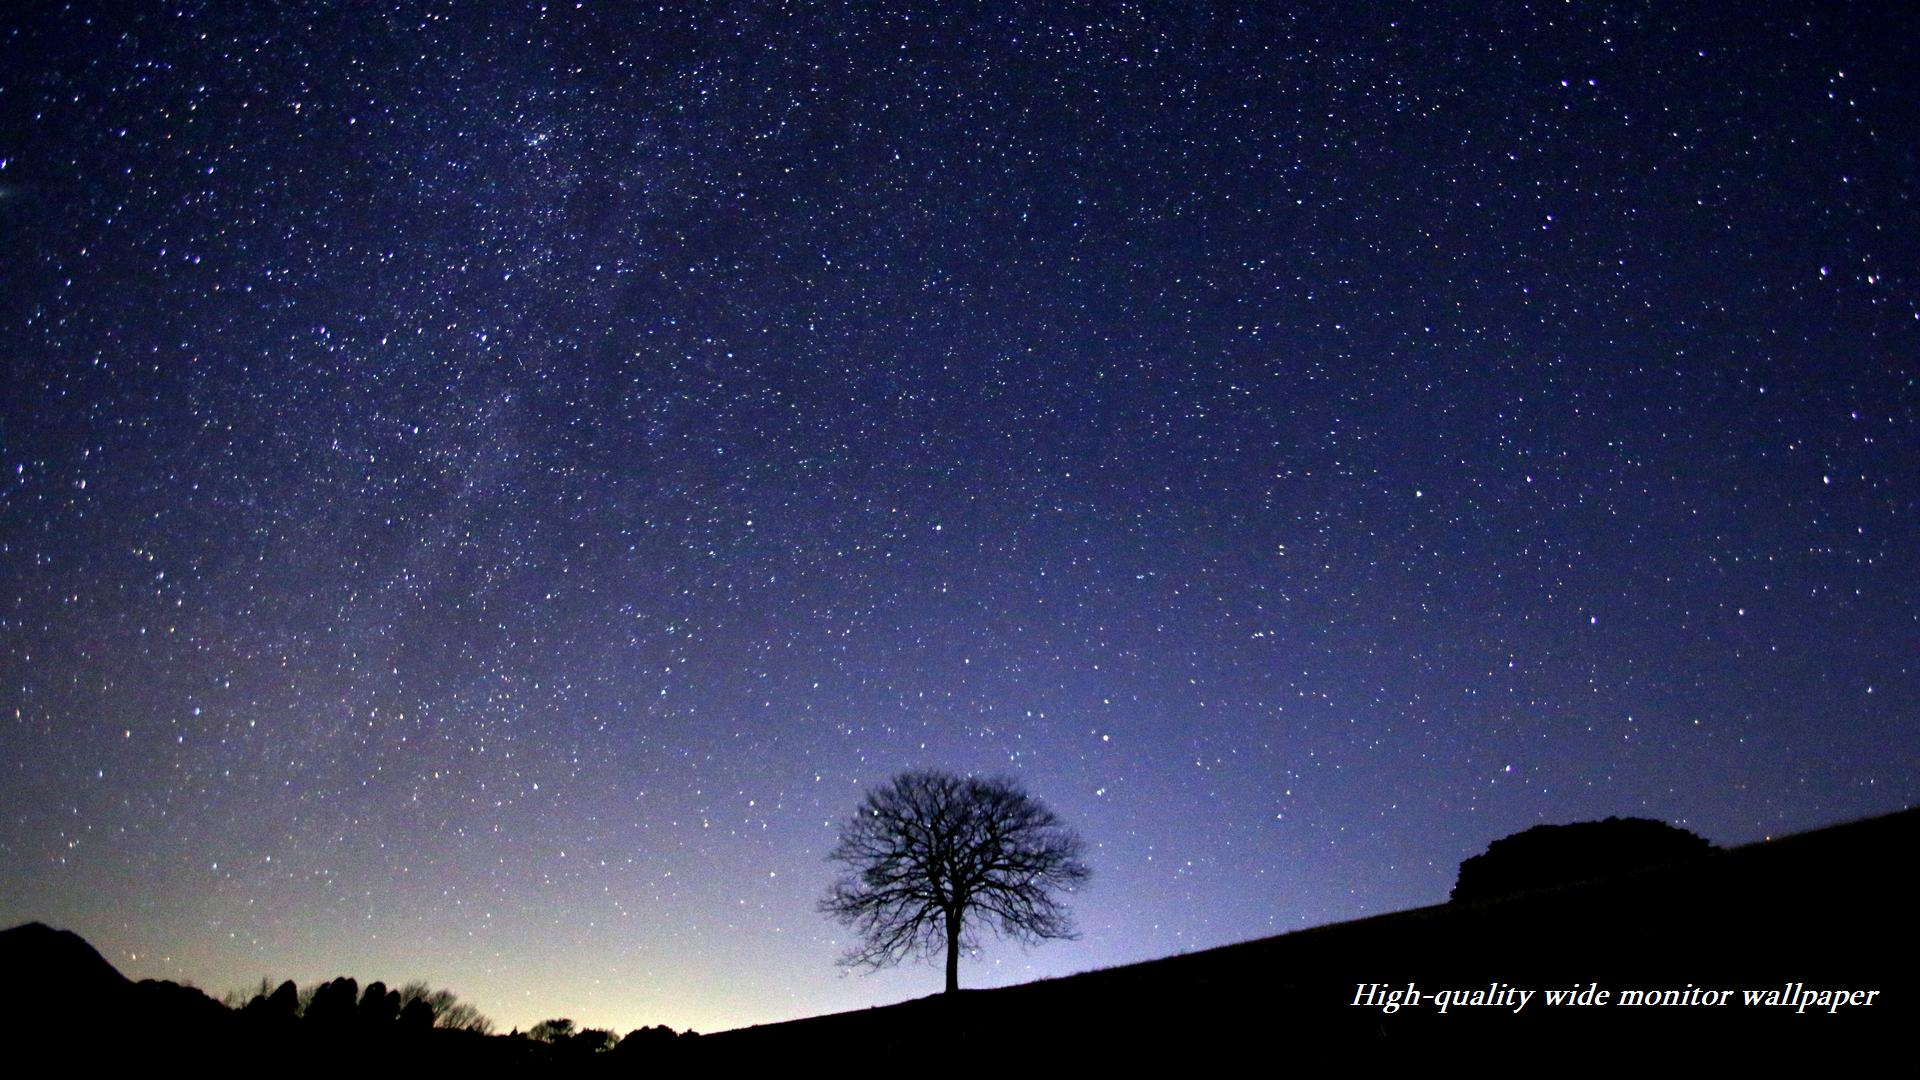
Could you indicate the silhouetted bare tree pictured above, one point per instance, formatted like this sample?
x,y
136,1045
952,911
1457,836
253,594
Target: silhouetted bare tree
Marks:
x,y
448,1010
930,857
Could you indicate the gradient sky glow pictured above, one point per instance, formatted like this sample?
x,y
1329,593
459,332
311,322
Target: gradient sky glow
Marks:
x,y
487,486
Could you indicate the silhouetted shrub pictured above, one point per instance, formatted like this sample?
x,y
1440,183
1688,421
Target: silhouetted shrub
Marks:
x,y
1549,855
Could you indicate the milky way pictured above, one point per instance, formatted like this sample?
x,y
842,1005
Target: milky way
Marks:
x,y
487,487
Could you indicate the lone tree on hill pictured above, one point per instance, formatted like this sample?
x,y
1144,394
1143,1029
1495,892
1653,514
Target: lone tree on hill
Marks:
x,y
931,857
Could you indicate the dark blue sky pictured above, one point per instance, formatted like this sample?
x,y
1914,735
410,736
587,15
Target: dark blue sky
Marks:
x,y
487,486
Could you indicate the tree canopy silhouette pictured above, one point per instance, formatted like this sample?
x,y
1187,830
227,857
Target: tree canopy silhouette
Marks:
x,y
1549,855
931,857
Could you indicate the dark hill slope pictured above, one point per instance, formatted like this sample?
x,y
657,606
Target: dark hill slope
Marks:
x,y
1826,908
60,964
58,986
65,1005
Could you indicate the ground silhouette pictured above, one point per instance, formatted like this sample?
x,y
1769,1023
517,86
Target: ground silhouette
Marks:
x,y
1827,909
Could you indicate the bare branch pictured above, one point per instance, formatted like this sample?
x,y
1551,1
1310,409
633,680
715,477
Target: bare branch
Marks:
x,y
930,857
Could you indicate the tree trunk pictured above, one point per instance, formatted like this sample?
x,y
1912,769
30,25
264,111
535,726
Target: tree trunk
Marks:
x,y
953,954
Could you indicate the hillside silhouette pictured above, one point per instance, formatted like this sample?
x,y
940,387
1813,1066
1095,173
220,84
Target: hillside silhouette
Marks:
x,y
1828,908
1820,911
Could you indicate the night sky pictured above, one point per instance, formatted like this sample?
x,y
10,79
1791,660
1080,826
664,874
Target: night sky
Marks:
x,y
487,487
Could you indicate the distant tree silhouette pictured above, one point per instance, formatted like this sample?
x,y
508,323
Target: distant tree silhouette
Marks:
x,y
416,1015
413,1007
241,999
379,1006
281,1004
1549,855
930,857
334,1004
285,1001
659,1037
548,1031
448,1010
586,1042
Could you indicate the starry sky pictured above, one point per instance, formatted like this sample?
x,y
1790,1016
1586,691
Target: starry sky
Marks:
x,y
488,486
